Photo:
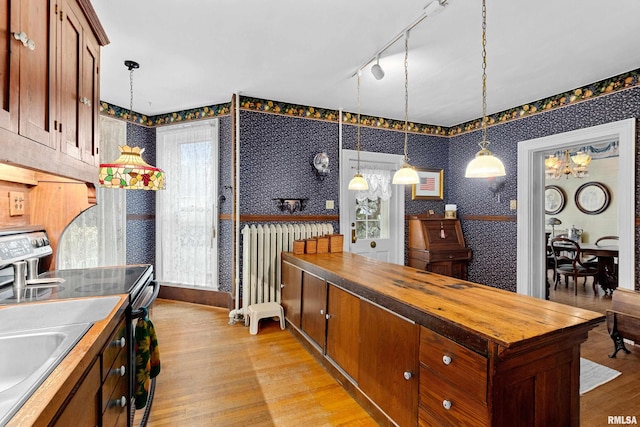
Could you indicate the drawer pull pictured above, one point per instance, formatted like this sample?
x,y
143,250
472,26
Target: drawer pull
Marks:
x,y
122,402
120,371
446,404
122,342
446,359
407,375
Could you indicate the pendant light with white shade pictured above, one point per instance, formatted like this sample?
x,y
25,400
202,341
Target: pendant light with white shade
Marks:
x,y
358,182
485,164
406,174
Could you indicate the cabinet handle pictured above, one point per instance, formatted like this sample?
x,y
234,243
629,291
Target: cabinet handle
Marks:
x,y
327,316
407,375
119,343
119,371
446,404
86,101
26,41
446,359
281,285
321,311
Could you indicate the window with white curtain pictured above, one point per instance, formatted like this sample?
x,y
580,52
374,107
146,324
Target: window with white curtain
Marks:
x,y
97,237
187,211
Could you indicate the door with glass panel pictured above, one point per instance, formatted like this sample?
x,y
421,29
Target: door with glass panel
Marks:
x,y
186,211
372,220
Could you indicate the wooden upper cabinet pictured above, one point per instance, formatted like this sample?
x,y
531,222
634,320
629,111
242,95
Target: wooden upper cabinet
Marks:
x,y
9,65
49,85
77,58
26,69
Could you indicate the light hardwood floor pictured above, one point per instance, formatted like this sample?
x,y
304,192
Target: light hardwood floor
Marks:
x,y
215,374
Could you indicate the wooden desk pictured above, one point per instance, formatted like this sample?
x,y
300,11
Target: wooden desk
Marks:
x,y
607,274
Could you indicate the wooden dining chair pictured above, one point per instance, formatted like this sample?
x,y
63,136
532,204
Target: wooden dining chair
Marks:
x,y
567,256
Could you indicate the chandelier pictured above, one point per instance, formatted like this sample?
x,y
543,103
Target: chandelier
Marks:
x,y
576,165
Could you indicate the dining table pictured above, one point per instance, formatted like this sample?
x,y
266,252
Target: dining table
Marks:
x,y
606,254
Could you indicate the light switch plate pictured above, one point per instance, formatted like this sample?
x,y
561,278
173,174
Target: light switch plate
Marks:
x,y
513,205
16,203
329,204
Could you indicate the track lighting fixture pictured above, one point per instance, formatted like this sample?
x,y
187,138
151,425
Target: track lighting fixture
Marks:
x,y
377,70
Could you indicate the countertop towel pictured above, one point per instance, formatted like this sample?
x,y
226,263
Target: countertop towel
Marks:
x,y
147,359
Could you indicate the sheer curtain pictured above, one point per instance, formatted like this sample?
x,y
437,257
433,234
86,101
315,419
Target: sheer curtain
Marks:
x,y
97,237
186,211
379,181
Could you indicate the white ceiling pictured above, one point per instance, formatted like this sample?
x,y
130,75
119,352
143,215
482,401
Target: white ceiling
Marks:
x,y
199,53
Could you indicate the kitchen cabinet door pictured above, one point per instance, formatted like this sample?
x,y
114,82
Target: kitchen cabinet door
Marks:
x,y
37,71
83,407
9,65
77,62
314,303
291,293
389,369
343,334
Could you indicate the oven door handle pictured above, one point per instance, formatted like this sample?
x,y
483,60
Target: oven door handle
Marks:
x,y
143,311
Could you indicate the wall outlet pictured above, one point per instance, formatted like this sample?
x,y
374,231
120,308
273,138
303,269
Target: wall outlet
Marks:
x,y
513,205
329,204
16,203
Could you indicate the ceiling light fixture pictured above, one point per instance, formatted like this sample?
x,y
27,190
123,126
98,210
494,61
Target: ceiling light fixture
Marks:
x,y
485,164
406,174
576,165
130,171
431,9
358,182
377,70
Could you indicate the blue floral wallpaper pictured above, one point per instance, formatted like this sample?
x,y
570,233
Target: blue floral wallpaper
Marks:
x,y
278,142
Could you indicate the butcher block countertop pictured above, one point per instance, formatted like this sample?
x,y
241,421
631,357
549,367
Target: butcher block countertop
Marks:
x,y
510,322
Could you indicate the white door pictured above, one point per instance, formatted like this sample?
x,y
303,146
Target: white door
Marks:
x,y
373,222
186,211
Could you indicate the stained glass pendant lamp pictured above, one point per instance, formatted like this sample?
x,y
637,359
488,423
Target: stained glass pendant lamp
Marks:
x,y
358,182
130,171
406,174
485,164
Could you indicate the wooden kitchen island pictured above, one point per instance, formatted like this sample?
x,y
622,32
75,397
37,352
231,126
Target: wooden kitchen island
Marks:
x,y
418,348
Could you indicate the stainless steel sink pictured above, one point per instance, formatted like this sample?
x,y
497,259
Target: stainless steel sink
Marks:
x,y
55,313
34,338
26,360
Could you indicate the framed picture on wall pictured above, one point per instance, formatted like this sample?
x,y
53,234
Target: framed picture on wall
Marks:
x,y
431,185
553,199
592,198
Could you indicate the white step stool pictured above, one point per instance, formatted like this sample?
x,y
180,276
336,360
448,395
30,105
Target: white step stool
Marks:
x,y
255,312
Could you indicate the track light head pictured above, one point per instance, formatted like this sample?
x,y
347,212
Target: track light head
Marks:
x,y
377,70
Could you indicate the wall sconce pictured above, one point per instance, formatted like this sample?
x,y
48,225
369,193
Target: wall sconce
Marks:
x,y
291,205
320,165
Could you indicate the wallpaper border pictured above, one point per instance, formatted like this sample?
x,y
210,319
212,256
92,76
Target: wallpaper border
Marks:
x,y
602,88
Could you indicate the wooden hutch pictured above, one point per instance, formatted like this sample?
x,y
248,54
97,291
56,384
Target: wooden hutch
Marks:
x,y
436,244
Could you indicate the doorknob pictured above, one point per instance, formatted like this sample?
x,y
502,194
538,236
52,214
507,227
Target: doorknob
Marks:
x,y
372,244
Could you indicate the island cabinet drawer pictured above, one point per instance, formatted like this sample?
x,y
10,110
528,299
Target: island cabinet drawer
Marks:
x,y
444,404
454,363
116,343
